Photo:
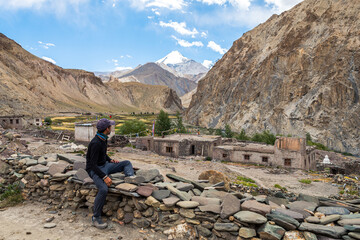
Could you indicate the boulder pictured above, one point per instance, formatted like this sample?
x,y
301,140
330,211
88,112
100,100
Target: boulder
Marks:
x,y
4,168
215,177
81,174
247,232
145,190
293,235
57,168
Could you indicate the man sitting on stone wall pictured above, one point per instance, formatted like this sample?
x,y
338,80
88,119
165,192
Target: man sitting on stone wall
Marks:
x,y
99,166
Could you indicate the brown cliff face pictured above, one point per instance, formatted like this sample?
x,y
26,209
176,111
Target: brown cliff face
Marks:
x,y
30,85
296,73
148,97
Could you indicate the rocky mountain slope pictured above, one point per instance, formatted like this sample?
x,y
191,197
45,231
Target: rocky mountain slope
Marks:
x,y
148,97
297,72
30,85
153,74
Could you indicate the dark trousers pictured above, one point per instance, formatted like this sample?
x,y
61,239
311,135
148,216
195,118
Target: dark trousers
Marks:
x,y
108,168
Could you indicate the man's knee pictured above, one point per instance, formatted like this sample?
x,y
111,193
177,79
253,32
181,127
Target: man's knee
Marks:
x,y
103,190
127,163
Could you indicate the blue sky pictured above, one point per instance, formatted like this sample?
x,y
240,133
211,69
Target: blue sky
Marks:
x,y
104,35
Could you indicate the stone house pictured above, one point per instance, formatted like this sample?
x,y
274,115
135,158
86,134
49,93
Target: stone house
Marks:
x,y
84,132
287,152
19,121
180,145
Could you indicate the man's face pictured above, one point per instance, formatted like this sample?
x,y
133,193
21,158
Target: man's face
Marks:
x,y
107,131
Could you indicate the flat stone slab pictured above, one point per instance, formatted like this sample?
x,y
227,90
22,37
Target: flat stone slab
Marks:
x,y
226,227
31,162
126,187
182,195
184,186
295,215
355,235
344,222
329,219
161,194
268,231
250,217
206,201
81,174
213,194
352,228
333,210
214,208
187,213
247,232
145,190
171,201
57,168
71,158
350,216
255,206
148,174
229,206
39,168
333,231
283,220
312,219
79,164
187,204
302,206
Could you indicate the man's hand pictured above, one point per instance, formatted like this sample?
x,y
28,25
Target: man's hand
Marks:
x,y
108,181
114,161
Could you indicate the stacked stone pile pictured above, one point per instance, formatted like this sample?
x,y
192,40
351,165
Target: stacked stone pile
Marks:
x,y
182,208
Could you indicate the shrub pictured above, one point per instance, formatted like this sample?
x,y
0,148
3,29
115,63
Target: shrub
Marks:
x,y
265,137
280,187
228,132
48,121
245,179
179,124
306,181
208,159
10,195
242,136
133,127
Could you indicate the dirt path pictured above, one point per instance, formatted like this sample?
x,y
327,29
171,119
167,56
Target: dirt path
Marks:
x,y
27,221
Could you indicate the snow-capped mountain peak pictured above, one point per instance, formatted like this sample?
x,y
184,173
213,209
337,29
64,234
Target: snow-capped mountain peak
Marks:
x,y
174,57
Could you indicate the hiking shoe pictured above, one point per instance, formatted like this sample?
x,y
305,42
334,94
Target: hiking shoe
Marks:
x,y
98,223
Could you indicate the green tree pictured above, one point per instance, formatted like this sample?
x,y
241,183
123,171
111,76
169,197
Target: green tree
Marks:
x,y
265,137
48,121
133,127
179,123
242,136
228,132
163,123
219,132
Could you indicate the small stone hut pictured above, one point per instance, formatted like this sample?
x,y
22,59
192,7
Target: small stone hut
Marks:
x,y
180,145
84,132
19,121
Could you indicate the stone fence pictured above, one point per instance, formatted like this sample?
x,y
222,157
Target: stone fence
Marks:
x,y
182,208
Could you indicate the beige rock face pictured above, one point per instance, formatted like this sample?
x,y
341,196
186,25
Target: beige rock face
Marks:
x,y
30,85
297,72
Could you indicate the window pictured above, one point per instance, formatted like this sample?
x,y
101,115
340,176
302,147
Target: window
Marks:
x,y
287,162
11,121
215,144
38,120
224,155
246,157
169,149
17,121
265,159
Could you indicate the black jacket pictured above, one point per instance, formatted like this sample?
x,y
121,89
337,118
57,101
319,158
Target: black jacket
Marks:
x,y
96,156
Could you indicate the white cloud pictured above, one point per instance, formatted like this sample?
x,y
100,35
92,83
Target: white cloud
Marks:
x,y
240,4
169,4
46,45
207,63
204,34
282,5
185,43
49,60
216,47
180,28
